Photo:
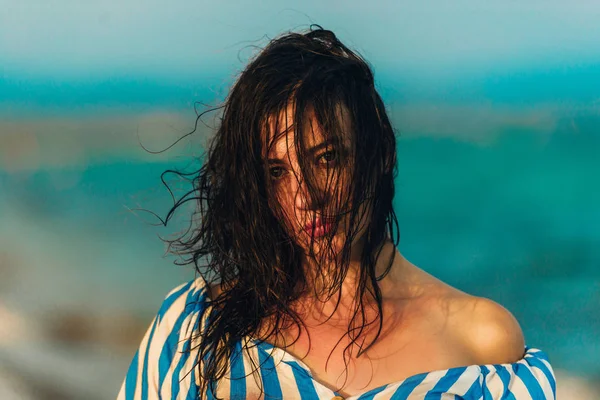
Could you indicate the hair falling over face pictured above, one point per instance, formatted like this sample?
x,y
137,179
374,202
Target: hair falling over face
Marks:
x,y
296,186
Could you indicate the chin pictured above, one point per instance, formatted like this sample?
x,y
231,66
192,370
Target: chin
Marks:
x,y
322,247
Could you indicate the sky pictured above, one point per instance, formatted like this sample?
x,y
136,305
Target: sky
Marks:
x,y
125,51
79,39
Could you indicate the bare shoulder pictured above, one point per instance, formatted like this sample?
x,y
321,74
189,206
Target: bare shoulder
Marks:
x,y
483,330
487,330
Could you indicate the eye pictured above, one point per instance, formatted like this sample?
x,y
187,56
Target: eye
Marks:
x,y
276,172
328,157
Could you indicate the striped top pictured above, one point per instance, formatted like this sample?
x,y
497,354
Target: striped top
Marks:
x,y
160,370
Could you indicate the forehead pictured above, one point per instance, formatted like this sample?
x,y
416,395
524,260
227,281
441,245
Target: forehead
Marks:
x,y
281,131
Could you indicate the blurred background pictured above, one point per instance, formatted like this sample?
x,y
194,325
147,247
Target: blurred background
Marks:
x,y
497,106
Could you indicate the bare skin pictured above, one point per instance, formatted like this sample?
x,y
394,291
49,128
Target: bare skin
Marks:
x,y
427,326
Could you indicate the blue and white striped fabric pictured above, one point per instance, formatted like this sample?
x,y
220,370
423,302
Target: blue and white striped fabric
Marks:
x,y
161,370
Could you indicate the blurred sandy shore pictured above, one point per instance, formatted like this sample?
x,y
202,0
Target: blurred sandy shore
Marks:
x,y
47,368
65,141
54,141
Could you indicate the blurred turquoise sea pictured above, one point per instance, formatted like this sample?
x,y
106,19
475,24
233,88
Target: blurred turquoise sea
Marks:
x,y
498,194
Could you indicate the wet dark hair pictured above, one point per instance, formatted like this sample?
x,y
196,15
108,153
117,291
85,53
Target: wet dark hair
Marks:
x,y
241,239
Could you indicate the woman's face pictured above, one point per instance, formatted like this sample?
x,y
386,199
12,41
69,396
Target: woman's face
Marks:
x,y
311,220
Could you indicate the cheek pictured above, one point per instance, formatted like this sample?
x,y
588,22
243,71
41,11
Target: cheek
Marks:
x,y
282,206
340,191
361,221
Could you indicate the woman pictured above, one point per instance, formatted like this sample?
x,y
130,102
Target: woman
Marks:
x,y
302,291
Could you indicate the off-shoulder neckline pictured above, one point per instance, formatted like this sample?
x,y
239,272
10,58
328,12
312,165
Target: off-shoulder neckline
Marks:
x,y
288,357
422,376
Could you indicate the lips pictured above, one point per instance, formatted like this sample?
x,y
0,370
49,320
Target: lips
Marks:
x,y
321,227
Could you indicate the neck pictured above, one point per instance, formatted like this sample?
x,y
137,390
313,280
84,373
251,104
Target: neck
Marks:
x,y
319,293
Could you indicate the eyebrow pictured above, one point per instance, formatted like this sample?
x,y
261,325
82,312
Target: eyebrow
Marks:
x,y
311,151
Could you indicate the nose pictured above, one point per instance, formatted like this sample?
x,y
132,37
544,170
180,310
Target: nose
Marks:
x,y
302,198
